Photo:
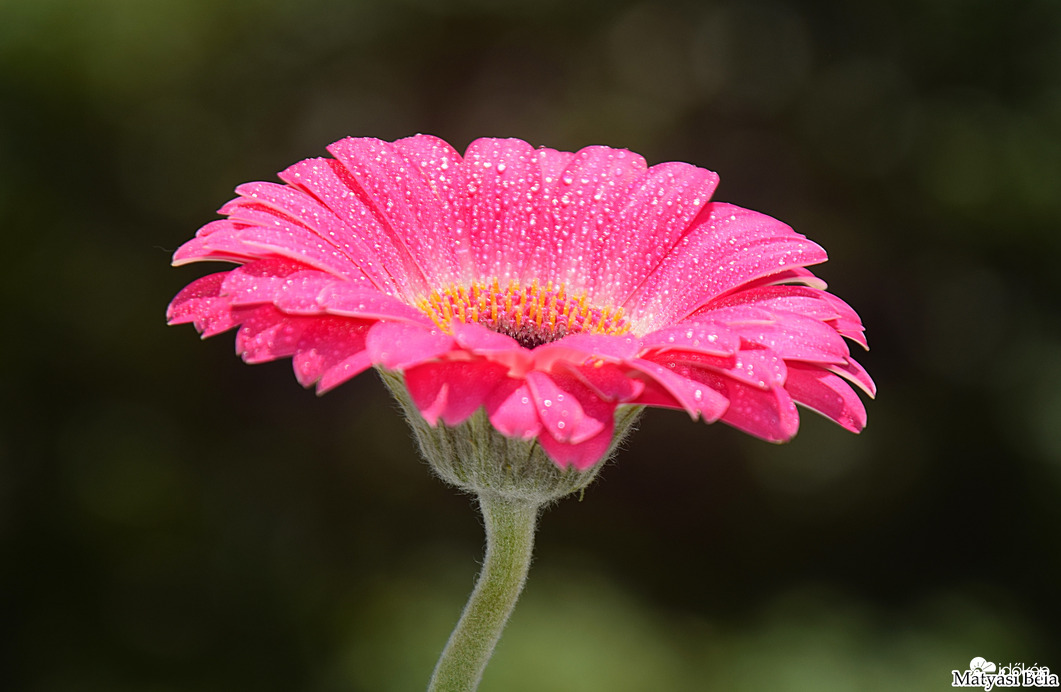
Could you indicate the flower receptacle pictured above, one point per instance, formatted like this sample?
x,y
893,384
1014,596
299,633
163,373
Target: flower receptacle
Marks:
x,y
477,458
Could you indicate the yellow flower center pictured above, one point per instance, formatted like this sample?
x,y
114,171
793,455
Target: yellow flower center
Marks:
x,y
533,315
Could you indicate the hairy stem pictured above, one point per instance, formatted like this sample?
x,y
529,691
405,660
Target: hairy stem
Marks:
x,y
510,525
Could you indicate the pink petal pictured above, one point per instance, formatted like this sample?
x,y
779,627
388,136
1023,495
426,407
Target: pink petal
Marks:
x,y
512,411
298,294
442,168
221,226
553,163
827,394
478,338
258,281
582,455
768,414
856,374
499,348
217,241
698,399
801,300
342,298
582,348
260,203
250,211
608,381
848,324
787,334
267,334
708,338
284,200
296,290
759,368
327,351
805,301
289,286
415,217
560,410
330,351
362,235
726,247
344,370
452,390
201,303
658,210
506,217
583,201
291,240
399,345
793,276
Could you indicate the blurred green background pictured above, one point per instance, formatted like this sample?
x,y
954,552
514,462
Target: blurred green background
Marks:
x,y
174,520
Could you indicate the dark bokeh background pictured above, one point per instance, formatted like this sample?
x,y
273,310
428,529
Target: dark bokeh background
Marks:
x,y
174,520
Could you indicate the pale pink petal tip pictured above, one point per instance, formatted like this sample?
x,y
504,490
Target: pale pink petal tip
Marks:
x,y
545,288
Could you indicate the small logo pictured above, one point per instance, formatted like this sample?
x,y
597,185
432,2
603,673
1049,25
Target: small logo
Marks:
x,y
980,665
989,675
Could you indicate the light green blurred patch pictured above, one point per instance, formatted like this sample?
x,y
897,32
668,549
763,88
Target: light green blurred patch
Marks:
x,y
580,632
817,639
1033,155
572,631
827,475
115,45
1033,396
577,630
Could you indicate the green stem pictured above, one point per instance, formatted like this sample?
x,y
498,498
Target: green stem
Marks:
x,y
510,525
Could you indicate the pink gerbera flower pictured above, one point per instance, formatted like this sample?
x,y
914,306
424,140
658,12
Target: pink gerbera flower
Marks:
x,y
545,288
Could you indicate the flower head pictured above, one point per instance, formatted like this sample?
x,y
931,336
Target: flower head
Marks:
x,y
545,288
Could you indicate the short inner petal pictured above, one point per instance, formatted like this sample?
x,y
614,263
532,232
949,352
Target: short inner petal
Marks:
x,y
533,314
